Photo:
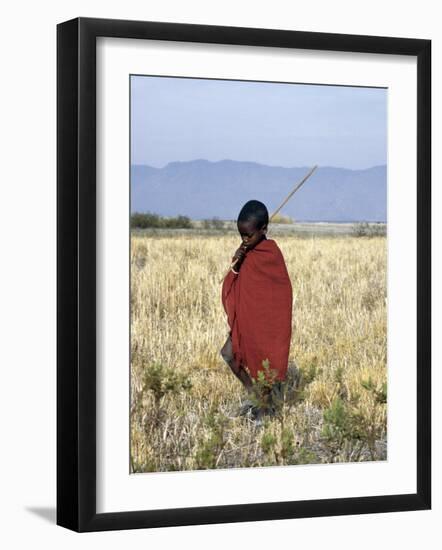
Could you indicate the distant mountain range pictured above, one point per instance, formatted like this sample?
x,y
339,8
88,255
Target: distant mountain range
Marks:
x,y
201,189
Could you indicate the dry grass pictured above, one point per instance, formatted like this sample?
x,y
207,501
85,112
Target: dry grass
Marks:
x,y
338,343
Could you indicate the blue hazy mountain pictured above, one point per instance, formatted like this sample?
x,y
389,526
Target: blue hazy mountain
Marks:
x,y
202,189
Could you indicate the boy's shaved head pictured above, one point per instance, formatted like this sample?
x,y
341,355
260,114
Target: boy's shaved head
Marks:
x,y
254,211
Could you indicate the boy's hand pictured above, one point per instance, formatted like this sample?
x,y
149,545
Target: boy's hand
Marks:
x,y
240,254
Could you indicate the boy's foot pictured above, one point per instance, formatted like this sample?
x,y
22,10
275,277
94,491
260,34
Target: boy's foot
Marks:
x,y
245,408
257,416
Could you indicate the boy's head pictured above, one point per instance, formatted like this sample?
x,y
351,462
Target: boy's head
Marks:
x,y
252,223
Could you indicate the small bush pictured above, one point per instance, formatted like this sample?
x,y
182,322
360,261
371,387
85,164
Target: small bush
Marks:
x,y
280,446
213,223
146,220
161,381
142,221
180,222
365,229
280,218
212,443
379,393
348,430
263,384
266,376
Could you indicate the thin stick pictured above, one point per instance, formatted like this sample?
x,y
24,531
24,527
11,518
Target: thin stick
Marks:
x,y
298,186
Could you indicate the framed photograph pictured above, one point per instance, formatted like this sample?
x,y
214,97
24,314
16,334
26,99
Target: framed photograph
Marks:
x,y
243,274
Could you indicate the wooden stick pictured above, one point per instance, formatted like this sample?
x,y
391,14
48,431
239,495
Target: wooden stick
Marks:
x,y
298,186
304,179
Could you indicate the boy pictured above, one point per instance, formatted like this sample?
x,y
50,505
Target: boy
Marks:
x,y
257,297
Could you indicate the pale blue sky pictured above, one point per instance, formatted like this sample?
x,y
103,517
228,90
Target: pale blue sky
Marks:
x,y
181,119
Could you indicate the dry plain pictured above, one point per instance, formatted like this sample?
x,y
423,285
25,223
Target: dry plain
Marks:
x,y
183,396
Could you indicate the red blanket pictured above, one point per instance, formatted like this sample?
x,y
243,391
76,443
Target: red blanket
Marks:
x,y
258,303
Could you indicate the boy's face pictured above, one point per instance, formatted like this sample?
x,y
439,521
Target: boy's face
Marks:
x,y
250,235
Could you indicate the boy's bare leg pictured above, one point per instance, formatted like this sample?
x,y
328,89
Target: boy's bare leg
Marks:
x,y
238,371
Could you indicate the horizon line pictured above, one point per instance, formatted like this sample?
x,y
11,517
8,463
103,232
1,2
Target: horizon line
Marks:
x,y
306,166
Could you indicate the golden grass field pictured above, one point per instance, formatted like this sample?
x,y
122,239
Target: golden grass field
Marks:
x,y
183,394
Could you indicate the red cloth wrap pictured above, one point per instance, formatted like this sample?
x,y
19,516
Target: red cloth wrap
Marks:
x,y
258,303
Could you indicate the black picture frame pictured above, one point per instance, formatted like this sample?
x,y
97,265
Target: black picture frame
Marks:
x,y
76,273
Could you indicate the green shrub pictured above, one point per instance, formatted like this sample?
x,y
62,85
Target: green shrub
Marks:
x,y
180,222
347,429
160,381
213,440
268,443
280,447
262,386
213,223
380,393
365,229
143,221
148,219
